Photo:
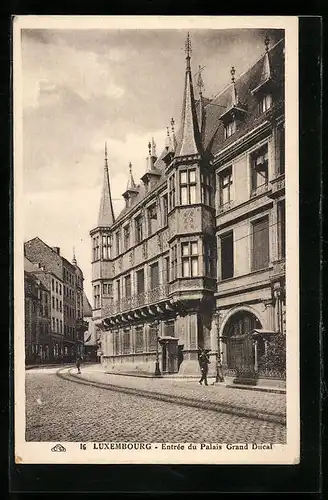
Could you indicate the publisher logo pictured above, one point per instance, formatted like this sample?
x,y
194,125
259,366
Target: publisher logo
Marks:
x,y
58,447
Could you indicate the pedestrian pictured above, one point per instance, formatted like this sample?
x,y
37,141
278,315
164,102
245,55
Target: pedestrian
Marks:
x,y
78,364
219,372
204,361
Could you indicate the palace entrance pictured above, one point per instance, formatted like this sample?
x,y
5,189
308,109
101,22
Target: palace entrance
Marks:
x,y
169,354
240,348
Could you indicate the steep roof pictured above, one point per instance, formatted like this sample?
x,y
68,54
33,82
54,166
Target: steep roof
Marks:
x,y
87,309
106,212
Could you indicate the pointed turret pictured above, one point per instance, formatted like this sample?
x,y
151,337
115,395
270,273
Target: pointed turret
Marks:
x,y
131,188
151,172
189,143
74,261
266,73
234,108
106,213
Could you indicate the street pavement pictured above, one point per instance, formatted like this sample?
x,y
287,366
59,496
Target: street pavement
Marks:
x,y
120,408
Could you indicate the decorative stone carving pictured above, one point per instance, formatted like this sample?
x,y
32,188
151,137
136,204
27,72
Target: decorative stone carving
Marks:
x,y
159,241
172,225
113,268
131,258
120,263
188,219
144,250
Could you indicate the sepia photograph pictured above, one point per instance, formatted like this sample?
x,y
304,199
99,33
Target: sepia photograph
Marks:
x,y
156,227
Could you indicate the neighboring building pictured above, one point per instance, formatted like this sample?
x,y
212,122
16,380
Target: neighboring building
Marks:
x,y
64,280
91,335
197,256
37,316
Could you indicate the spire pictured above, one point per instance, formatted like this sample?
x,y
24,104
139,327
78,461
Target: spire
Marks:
x,y
168,144
74,261
189,143
106,212
234,108
200,86
131,186
153,148
266,74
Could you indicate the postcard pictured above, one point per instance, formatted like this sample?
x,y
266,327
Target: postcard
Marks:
x,y
156,282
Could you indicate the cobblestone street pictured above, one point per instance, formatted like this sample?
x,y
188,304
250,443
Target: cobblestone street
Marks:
x,y
155,410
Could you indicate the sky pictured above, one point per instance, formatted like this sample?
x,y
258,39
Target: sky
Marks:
x,y
84,87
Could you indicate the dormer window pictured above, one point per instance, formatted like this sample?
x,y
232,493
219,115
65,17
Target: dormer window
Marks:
x,y
265,103
230,128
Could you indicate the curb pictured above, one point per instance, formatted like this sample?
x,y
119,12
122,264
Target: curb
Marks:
x,y
276,418
274,390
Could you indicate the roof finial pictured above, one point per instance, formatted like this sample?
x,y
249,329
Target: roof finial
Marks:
x,y
167,138
200,83
232,72
153,147
174,141
266,43
149,148
106,158
74,261
188,46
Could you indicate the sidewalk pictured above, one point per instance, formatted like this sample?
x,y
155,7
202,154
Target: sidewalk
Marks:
x,y
263,405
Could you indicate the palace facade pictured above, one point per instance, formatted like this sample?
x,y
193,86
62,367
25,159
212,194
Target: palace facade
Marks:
x,y
197,256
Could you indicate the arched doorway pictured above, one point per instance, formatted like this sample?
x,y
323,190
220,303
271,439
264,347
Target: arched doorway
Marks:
x,y
240,349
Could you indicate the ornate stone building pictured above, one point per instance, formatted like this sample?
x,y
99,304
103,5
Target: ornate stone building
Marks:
x,y
197,256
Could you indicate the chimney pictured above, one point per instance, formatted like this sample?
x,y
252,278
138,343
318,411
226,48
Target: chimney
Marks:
x,y
57,250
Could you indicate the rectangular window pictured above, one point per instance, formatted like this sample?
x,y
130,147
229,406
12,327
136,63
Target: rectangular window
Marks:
x,y
96,296
281,230
118,290
127,286
265,103
230,128
126,342
60,306
56,286
227,260
96,249
57,325
165,209
172,192
126,236
61,326
140,281
53,285
116,336
260,244
53,324
280,149
259,170
210,258
189,252
188,187
106,247
154,275
225,187
118,243
60,289
57,305
107,289
152,219
152,338
53,302
207,189
174,262
139,333
138,228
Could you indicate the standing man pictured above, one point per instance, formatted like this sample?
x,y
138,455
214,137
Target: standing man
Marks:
x,y
204,361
